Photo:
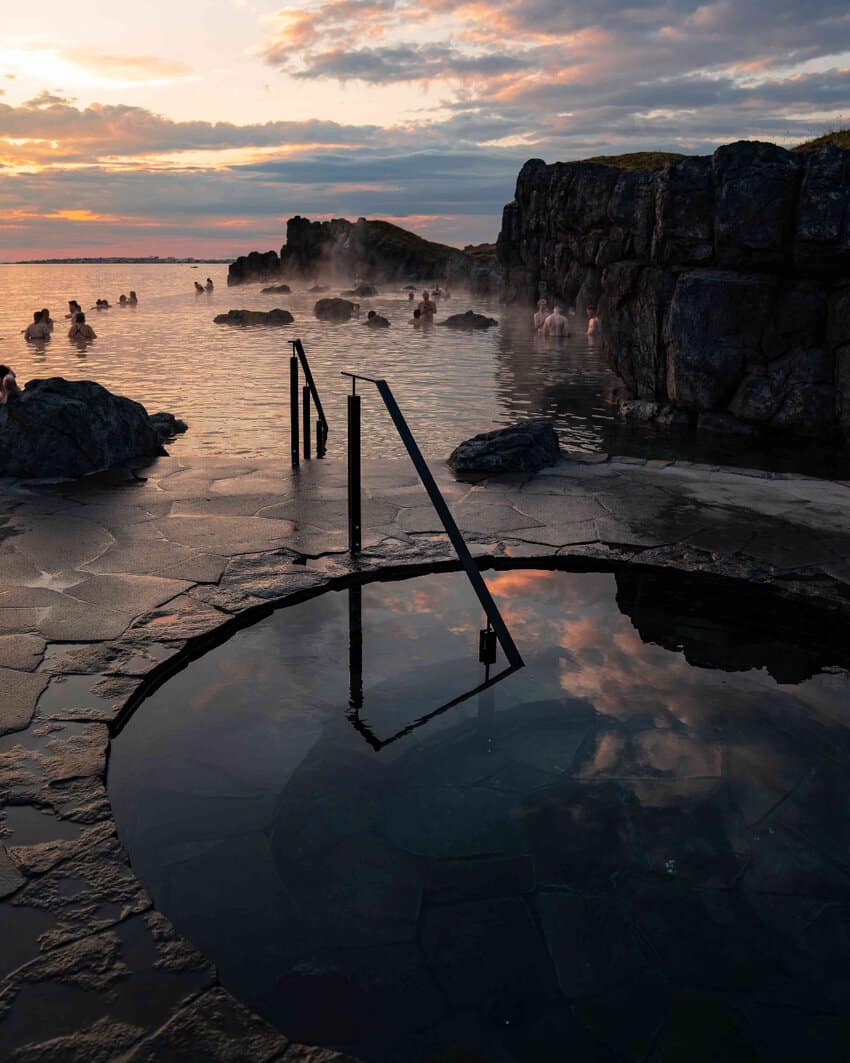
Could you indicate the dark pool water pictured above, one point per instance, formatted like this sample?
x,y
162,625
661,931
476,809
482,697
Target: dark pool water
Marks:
x,y
636,847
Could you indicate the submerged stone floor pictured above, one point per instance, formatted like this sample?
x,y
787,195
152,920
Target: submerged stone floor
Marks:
x,y
106,583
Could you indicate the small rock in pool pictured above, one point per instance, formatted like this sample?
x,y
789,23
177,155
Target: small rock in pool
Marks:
x,y
524,447
363,291
254,317
334,309
469,322
318,288
276,289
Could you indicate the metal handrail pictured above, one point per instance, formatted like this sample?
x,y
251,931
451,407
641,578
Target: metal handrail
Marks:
x,y
491,610
298,348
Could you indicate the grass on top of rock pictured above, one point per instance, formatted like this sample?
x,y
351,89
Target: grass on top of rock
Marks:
x,y
839,138
638,160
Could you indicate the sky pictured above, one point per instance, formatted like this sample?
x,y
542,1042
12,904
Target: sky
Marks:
x,y
198,128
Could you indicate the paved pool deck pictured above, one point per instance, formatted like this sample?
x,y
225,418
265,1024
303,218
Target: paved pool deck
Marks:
x,y
107,584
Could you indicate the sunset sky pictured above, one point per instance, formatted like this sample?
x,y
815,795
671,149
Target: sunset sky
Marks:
x,y
197,128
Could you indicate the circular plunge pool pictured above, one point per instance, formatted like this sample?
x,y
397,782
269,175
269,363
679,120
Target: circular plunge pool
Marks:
x,y
637,846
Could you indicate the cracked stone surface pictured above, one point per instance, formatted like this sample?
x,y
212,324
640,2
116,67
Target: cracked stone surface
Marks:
x,y
104,584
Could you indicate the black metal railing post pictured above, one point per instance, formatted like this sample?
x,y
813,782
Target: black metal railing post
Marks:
x,y
321,421
293,410
305,412
491,610
354,502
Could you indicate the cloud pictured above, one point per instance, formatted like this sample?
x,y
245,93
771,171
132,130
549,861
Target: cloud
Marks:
x,y
128,67
409,63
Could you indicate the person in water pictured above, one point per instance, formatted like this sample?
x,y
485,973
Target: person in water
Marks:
x,y
199,288
134,299
79,330
122,300
556,324
374,320
74,308
427,308
8,385
410,297
37,329
416,320
541,314
46,318
592,321
209,285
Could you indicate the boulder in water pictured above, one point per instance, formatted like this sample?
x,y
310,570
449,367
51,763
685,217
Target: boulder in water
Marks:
x,y
254,317
525,448
334,309
276,289
363,291
318,288
469,322
69,428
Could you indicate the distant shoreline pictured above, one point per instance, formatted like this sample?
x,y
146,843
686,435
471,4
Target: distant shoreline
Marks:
x,y
153,260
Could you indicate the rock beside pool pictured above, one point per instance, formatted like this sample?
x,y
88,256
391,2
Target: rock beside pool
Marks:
x,y
69,428
525,447
167,426
469,322
276,289
363,291
334,309
254,317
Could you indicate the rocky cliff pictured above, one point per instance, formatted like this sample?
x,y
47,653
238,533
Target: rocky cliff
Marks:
x,y
722,282
370,250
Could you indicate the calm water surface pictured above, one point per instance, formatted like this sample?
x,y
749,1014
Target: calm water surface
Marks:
x,y
639,837
231,384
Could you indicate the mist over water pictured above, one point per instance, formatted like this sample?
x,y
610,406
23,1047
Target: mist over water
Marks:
x,y
231,384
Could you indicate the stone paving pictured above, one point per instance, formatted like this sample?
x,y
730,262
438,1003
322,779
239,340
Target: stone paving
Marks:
x,y
109,583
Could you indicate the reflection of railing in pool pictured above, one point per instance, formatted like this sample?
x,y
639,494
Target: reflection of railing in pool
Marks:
x,y
496,629
309,390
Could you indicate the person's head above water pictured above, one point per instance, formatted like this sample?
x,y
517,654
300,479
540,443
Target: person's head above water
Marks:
x,y
371,314
80,318
37,316
4,371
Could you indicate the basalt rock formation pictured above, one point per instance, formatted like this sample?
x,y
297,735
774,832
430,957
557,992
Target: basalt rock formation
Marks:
x,y
253,268
722,282
274,317
374,251
525,447
69,428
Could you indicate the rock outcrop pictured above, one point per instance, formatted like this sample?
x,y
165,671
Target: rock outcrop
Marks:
x,y
276,289
524,448
722,282
274,317
254,268
334,309
69,428
469,322
371,250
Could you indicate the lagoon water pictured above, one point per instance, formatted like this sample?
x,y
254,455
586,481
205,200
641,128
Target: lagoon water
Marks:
x,y
231,384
